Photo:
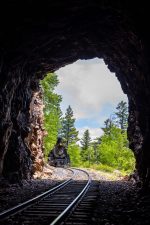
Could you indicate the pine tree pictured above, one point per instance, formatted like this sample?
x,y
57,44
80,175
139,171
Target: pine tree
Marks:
x,y
113,149
108,123
122,115
95,145
85,142
68,131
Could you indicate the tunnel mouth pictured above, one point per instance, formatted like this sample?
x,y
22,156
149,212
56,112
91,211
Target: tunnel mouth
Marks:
x,y
38,44
86,86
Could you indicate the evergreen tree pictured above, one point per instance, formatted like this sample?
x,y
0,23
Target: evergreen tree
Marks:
x,y
122,115
68,131
95,145
108,123
52,111
113,149
85,142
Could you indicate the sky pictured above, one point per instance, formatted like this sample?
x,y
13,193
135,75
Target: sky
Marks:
x,y
92,91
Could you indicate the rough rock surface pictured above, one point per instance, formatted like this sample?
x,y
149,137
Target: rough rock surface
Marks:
x,y
39,37
37,132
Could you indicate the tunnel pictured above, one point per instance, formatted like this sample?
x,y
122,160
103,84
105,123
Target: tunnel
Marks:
x,y
41,37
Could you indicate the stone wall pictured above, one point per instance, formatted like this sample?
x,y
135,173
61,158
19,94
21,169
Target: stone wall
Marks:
x,y
15,155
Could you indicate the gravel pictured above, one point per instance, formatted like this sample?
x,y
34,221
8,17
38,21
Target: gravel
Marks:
x,y
13,194
119,202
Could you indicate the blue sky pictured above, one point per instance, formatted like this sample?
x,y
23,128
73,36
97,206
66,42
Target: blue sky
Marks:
x,y
92,91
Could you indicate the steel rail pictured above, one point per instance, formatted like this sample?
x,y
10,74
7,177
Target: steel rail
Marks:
x,y
21,206
61,216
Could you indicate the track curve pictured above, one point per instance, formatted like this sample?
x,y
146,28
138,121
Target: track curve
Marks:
x,y
52,206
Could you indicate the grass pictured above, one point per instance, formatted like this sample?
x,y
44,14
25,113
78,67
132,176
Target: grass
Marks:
x,y
106,169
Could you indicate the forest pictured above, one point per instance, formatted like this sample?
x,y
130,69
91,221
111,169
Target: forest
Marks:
x,y
108,152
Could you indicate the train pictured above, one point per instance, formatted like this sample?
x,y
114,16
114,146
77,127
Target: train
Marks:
x,y
58,156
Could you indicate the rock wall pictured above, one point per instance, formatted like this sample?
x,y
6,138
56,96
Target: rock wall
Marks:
x,y
38,38
37,132
15,155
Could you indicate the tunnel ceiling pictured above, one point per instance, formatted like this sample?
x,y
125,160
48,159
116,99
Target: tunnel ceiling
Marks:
x,y
36,38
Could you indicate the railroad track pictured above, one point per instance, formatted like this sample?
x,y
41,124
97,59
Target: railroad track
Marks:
x,y
56,206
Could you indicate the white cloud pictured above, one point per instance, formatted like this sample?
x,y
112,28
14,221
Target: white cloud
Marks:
x,y
92,91
94,132
87,87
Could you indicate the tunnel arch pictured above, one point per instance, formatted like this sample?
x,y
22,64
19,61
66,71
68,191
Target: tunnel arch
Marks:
x,y
39,38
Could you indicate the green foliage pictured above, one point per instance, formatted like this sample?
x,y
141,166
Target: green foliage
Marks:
x,y
85,142
52,111
100,166
74,153
103,167
95,151
106,153
68,131
51,99
113,150
110,152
